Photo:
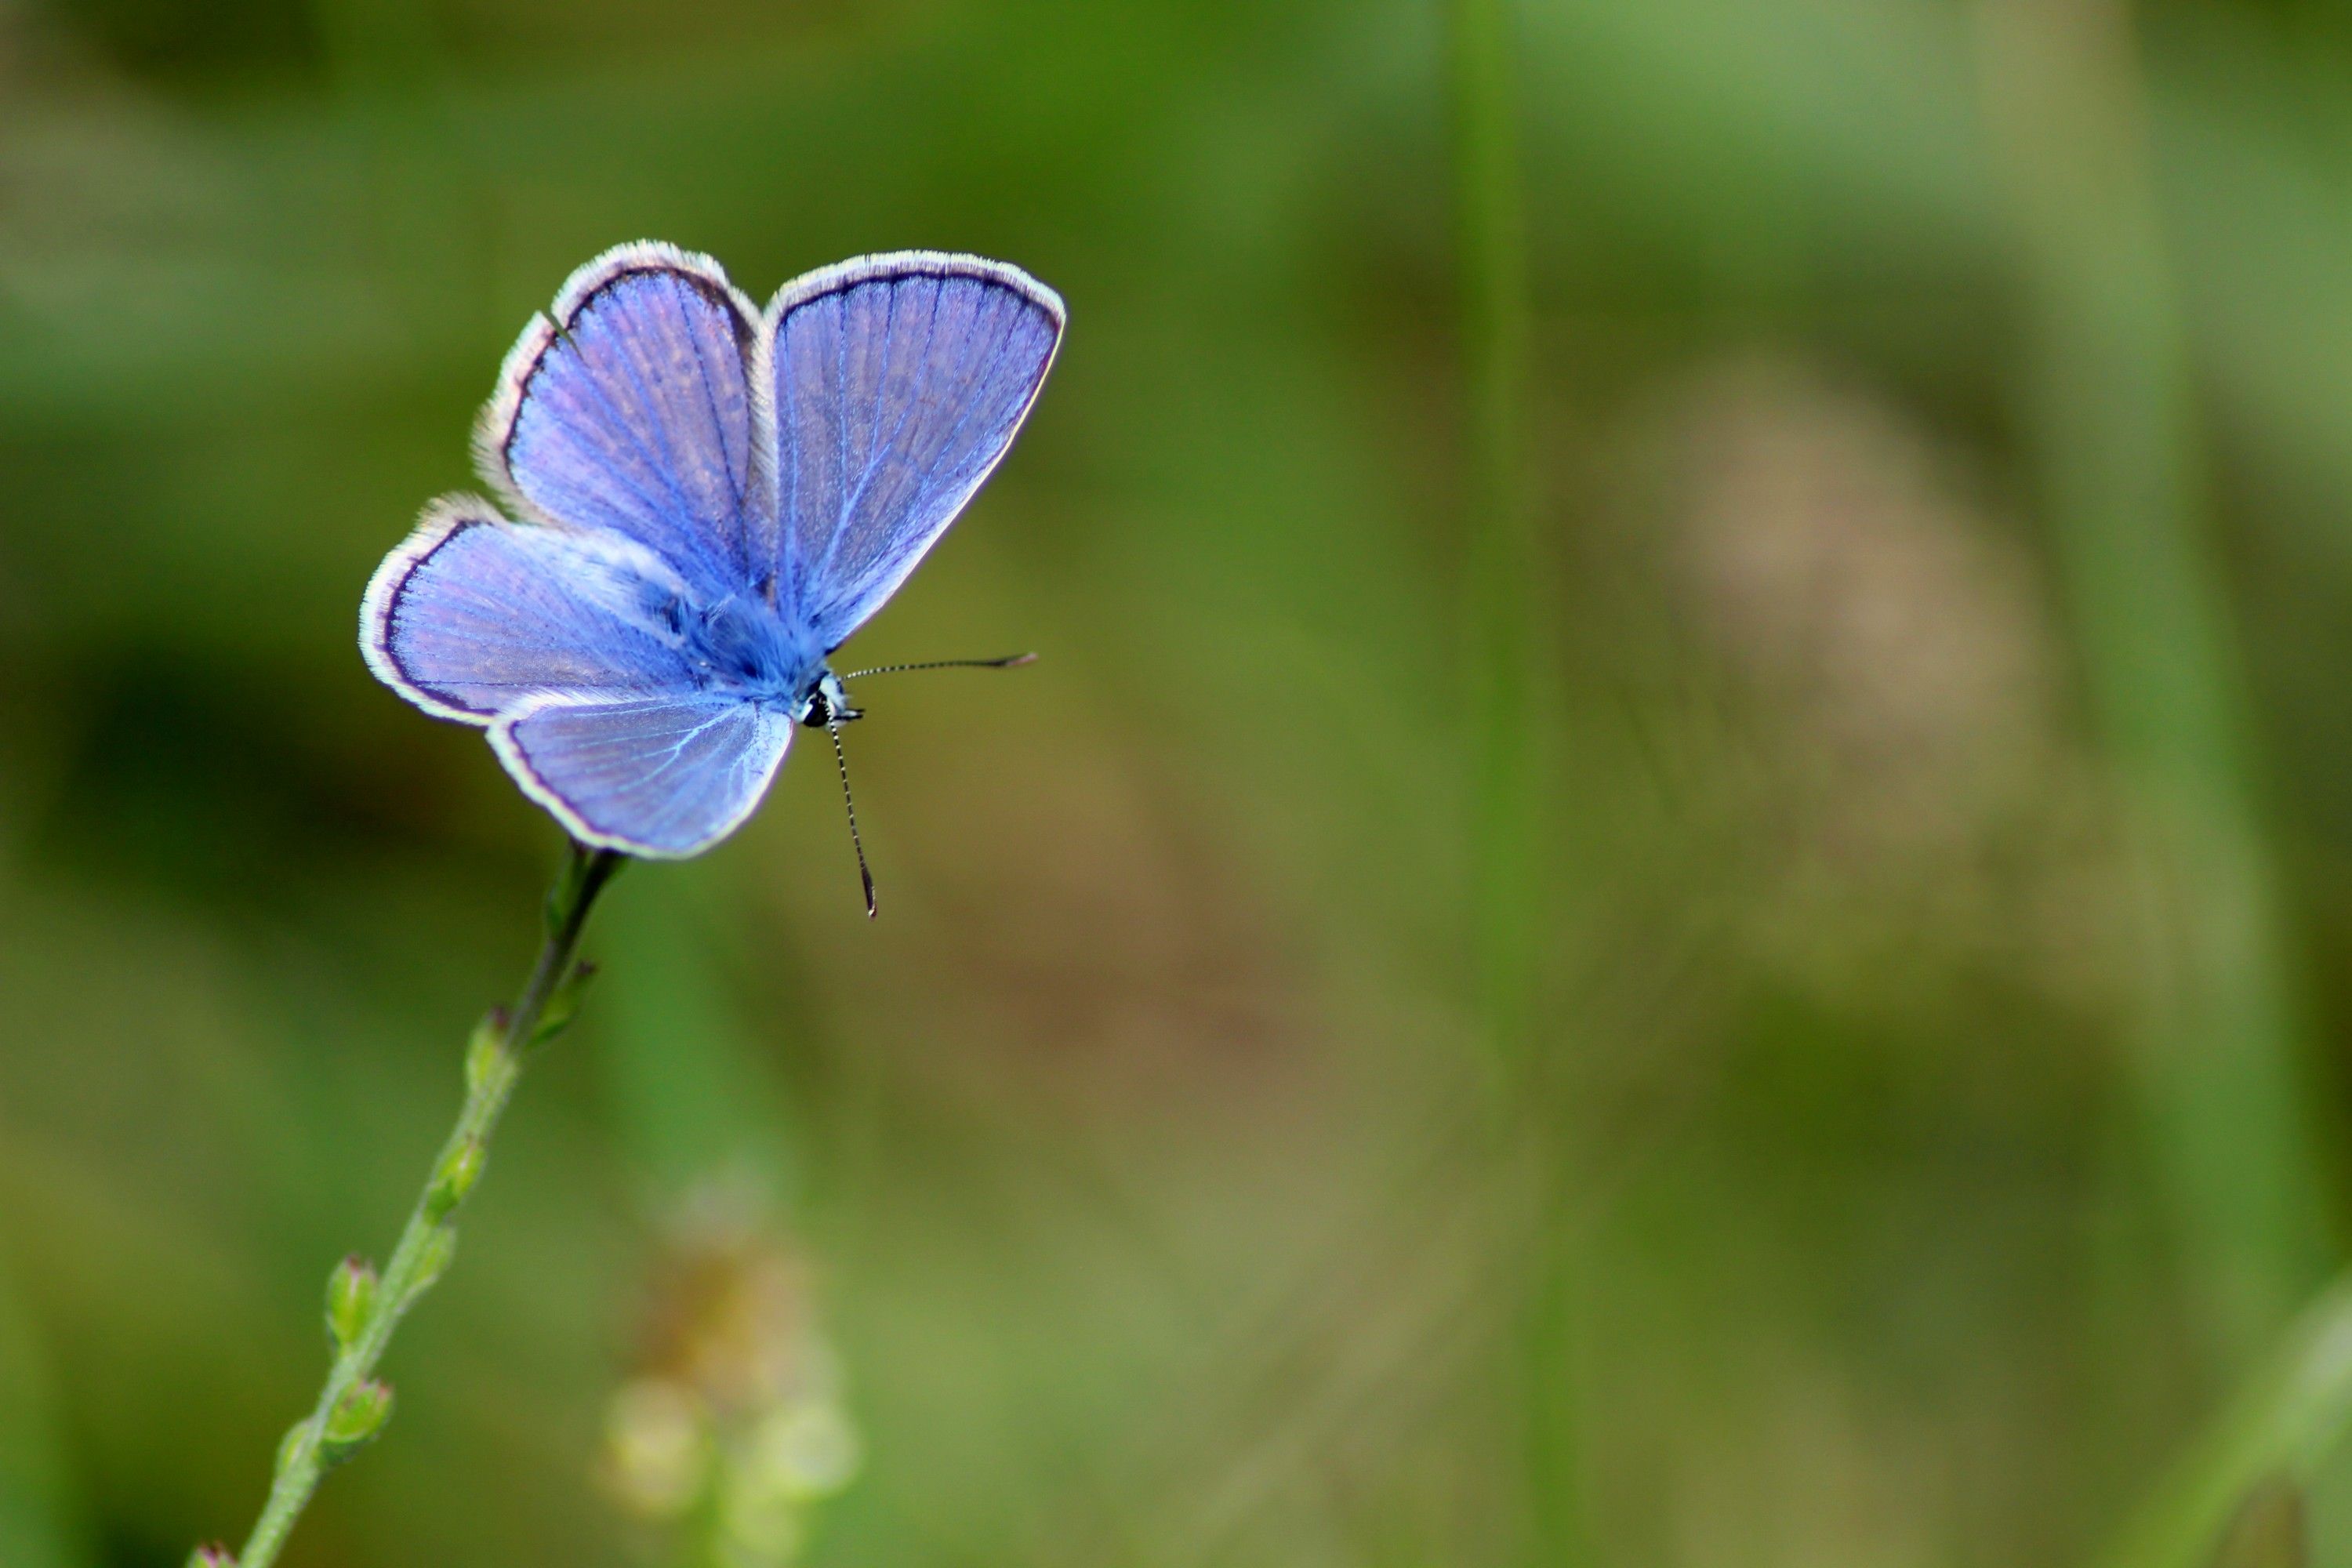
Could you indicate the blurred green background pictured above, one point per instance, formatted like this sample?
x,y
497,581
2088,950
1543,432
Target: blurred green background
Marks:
x,y
1673,896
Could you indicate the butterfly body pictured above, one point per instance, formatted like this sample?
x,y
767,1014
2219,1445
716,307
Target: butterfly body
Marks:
x,y
741,647
705,499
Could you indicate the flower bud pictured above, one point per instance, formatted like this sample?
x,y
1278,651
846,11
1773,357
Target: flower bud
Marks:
x,y
350,1300
357,1417
212,1556
459,1170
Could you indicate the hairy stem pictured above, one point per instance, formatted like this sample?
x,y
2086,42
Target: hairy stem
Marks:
x,y
351,1410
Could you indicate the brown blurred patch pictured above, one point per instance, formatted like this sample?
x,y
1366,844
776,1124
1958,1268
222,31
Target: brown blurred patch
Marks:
x,y
1906,759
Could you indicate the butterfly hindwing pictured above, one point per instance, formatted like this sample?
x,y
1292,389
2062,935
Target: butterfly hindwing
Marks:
x,y
899,382
656,776
475,615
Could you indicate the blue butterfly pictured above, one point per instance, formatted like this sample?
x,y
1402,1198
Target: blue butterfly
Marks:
x,y
712,498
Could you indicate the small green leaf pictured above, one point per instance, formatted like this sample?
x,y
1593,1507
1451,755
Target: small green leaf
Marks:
x,y
440,1245
459,1170
291,1444
562,1004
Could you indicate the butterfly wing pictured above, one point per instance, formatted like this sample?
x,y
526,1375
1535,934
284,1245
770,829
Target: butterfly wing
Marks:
x,y
566,643
661,776
899,382
633,424
475,616
628,407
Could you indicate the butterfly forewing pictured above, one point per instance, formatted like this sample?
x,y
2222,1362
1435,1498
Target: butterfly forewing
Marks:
x,y
628,407
900,383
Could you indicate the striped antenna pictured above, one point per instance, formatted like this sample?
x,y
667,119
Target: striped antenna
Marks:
x,y
1010,661
841,761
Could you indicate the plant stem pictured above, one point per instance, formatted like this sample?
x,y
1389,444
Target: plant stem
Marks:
x,y
494,1064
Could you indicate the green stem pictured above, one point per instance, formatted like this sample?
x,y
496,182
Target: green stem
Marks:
x,y
494,1064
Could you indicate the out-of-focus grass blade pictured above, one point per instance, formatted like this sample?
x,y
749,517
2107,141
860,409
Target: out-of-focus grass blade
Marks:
x,y
2108,387
2286,1423
36,1482
1501,611
1508,673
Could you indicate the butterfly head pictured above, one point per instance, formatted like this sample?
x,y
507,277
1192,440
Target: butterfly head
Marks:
x,y
826,702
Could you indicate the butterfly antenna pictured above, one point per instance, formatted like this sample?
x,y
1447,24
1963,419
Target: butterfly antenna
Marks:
x,y
1010,661
841,761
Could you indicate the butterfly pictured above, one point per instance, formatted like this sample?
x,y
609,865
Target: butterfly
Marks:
x,y
703,501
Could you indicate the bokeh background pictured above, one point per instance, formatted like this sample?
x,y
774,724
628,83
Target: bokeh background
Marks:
x,y
1673,890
